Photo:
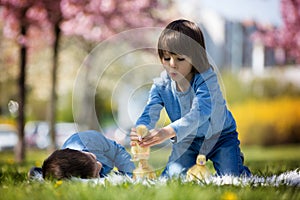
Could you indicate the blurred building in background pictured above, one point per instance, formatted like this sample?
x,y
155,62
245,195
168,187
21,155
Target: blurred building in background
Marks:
x,y
229,25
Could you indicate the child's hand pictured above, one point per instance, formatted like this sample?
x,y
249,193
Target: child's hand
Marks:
x,y
134,138
157,136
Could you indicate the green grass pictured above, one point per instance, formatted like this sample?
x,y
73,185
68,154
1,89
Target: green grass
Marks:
x,y
262,161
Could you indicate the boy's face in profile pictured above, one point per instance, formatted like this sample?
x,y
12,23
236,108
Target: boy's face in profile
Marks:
x,y
178,66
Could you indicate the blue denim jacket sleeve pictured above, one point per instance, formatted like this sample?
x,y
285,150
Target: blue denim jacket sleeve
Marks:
x,y
123,160
152,110
107,151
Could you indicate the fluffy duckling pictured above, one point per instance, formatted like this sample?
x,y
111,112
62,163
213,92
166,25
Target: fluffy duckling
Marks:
x,y
144,170
137,151
199,171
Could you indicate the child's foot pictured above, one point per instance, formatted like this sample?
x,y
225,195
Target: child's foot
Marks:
x,y
35,173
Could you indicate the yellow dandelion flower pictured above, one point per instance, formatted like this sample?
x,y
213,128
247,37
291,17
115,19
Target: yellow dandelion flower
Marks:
x,y
58,183
229,196
38,163
10,161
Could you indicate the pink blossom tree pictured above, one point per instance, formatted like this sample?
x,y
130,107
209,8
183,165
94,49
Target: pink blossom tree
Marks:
x,y
94,20
287,36
22,19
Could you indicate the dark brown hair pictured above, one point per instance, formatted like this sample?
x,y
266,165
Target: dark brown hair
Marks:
x,y
185,38
67,163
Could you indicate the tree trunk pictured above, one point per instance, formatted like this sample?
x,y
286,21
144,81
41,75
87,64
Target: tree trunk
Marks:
x,y
53,99
20,147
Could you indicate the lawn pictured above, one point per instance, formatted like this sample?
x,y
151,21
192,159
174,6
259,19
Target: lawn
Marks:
x,y
265,163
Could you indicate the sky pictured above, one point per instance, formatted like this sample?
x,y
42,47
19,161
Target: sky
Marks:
x,y
263,11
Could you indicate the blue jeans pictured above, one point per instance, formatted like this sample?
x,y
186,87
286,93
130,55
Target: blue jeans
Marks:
x,y
222,149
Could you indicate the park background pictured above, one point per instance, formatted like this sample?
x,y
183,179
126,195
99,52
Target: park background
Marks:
x,y
44,45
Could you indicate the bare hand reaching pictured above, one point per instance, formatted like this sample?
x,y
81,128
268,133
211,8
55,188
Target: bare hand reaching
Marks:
x,y
156,136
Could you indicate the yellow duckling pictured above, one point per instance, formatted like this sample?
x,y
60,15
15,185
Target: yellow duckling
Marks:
x,y
137,151
199,171
144,170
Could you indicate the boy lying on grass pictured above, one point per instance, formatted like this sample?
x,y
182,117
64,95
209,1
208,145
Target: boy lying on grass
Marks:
x,y
86,154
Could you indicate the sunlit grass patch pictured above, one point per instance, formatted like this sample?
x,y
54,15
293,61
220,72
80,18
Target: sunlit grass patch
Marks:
x,y
273,175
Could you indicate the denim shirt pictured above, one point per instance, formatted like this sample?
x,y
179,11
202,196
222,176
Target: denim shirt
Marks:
x,y
108,152
200,111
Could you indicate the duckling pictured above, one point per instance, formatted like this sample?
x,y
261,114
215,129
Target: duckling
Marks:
x,y
144,170
199,171
137,151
